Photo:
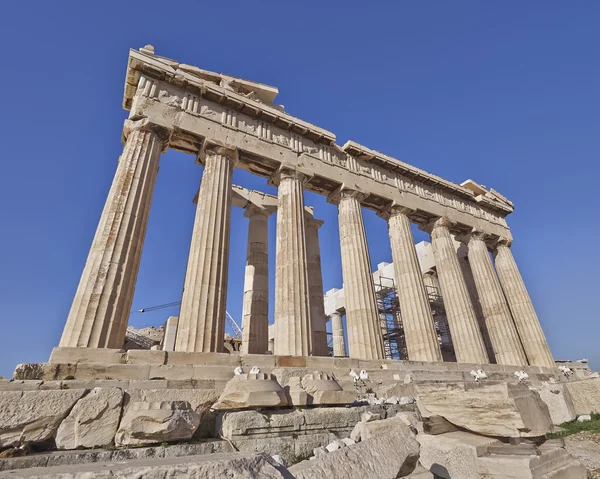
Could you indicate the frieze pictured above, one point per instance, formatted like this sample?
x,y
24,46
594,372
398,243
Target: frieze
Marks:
x,y
296,142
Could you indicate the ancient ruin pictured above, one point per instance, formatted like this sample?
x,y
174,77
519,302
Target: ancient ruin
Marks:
x,y
461,370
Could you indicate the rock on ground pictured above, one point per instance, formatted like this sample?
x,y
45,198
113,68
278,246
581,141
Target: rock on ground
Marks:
x,y
33,416
238,466
155,422
93,421
389,455
504,410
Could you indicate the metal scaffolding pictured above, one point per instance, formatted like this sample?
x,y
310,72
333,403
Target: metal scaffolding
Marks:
x,y
390,320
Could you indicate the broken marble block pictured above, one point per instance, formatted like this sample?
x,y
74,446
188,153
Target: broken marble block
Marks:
x,y
323,389
34,416
93,421
297,395
498,410
156,422
248,391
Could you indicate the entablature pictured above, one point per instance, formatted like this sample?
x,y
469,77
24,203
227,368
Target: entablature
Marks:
x,y
195,115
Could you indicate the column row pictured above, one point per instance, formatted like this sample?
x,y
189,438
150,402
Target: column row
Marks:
x,y
98,317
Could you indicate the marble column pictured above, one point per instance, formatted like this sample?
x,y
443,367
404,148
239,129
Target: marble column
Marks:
x,y
463,260
293,326
526,320
202,316
337,330
466,337
315,287
417,320
365,339
100,310
499,322
255,316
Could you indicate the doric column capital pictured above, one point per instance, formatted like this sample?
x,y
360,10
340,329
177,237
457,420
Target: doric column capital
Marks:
x,y
214,148
344,192
286,172
254,210
504,242
473,235
163,133
394,209
441,222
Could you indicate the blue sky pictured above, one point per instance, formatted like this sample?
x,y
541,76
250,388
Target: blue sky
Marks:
x,y
505,93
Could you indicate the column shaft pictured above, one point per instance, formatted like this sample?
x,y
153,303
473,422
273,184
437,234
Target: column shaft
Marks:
x,y
365,340
337,330
255,316
293,328
499,322
100,310
417,321
526,320
315,285
470,281
466,337
202,317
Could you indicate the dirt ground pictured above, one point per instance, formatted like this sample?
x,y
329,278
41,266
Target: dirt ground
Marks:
x,y
585,446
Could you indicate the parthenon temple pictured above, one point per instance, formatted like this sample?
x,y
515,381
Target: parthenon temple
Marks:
x,y
439,369
226,123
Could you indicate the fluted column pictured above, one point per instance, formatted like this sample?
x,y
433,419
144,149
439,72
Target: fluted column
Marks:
x,y
255,316
417,320
315,287
337,331
526,320
499,322
431,284
100,310
466,337
293,326
463,261
202,317
365,340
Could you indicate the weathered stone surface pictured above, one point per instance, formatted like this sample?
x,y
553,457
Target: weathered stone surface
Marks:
x,y
466,335
508,410
453,454
201,401
231,465
33,416
87,355
324,389
65,458
296,394
586,395
154,422
362,319
421,339
559,401
201,324
389,455
551,463
526,320
102,303
293,322
93,421
252,390
29,371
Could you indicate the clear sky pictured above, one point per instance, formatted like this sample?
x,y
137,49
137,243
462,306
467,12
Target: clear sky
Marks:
x,y
505,93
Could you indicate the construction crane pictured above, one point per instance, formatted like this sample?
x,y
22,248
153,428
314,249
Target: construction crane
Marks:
x,y
235,328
